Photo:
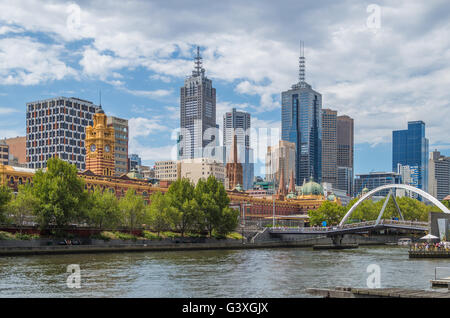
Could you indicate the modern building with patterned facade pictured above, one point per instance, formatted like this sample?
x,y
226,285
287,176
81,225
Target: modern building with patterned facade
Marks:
x,y
57,127
197,114
100,142
329,146
345,154
120,126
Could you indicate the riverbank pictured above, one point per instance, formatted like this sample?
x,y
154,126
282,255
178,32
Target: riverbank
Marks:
x,y
46,246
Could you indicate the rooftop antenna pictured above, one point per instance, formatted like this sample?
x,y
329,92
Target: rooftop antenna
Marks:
x,y
100,95
301,60
198,63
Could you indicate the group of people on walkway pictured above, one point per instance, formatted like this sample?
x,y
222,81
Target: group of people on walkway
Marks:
x,y
427,246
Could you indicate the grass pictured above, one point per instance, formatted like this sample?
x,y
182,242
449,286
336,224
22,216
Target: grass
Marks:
x,y
6,236
235,236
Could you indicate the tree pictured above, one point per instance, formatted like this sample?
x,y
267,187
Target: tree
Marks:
x,y
132,208
160,213
228,221
23,206
61,194
330,212
5,197
103,211
187,213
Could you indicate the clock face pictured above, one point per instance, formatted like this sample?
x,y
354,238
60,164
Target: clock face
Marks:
x,y
107,148
93,147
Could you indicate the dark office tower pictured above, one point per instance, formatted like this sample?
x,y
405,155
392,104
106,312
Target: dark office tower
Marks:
x,y
410,148
56,128
345,150
238,123
301,124
197,113
329,146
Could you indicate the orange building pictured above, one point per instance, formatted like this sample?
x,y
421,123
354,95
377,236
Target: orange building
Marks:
x,y
100,143
234,170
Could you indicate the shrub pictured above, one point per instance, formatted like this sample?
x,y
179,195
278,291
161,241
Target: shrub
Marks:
x,y
151,235
23,236
235,236
6,236
105,235
125,236
169,234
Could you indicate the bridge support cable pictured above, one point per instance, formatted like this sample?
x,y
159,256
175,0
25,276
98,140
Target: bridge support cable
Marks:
x,y
383,208
398,208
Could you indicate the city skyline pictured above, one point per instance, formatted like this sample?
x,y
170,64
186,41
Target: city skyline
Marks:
x,y
70,60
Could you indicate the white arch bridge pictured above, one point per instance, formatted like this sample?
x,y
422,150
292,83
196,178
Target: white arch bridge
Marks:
x,y
378,224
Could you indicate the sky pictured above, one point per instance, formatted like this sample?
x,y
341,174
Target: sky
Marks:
x,y
383,63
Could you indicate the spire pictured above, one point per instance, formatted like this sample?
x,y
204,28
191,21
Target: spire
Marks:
x,y
282,186
301,66
292,183
198,70
233,151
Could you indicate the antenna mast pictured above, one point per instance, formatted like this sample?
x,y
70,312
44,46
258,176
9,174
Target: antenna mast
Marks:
x,y
198,63
301,60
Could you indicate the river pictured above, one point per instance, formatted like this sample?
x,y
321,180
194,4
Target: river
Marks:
x,y
220,273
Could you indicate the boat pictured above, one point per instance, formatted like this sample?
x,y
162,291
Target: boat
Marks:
x,y
404,241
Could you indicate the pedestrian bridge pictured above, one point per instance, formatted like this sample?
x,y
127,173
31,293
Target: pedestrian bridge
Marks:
x,y
378,224
360,227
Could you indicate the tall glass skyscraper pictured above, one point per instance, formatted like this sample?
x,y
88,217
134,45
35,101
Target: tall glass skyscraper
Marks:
x,y
410,147
301,124
197,113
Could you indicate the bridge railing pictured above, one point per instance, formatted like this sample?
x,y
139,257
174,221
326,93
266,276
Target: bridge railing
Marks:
x,y
407,223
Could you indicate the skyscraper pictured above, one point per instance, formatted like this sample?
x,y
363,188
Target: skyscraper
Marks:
x,y
238,123
345,153
329,146
410,147
197,113
57,127
301,123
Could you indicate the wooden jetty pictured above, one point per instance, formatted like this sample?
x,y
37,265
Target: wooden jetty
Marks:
x,y
429,254
349,292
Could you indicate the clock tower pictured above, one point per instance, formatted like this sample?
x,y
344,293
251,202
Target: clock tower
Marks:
x,y
100,146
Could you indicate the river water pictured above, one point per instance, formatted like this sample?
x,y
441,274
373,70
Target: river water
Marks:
x,y
220,273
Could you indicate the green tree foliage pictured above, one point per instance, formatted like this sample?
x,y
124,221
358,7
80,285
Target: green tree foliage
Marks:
x,y
61,194
161,215
103,211
133,211
23,206
446,203
213,202
330,212
5,197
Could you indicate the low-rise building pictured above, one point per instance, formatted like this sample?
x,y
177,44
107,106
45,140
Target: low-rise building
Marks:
x,y
201,168
167,170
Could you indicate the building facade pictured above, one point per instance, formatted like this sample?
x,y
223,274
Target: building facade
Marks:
x,y
281,160
439,175
201,168
134,162
345,154
329,146
100,141
17,150
56,127
167,170
4,153
301,124
120,127
197,114
238,123
410,147
374,180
